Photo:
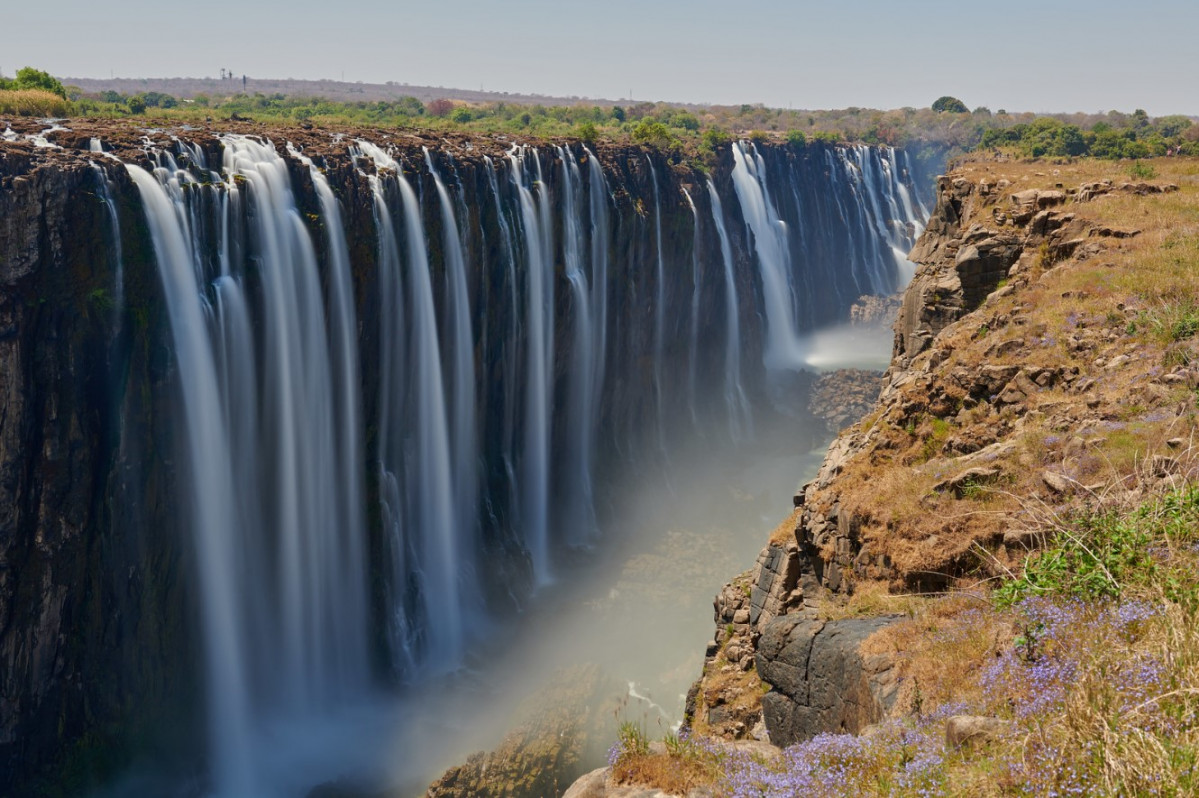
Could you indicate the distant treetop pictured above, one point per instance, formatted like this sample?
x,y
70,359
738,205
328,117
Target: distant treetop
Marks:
x,y
950,105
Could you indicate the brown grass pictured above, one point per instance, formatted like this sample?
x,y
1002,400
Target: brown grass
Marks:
x,y
32,102
1126,301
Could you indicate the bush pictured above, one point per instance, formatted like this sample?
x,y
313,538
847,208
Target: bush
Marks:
x,y
1103,553
796,138
654,134
587,132
440,107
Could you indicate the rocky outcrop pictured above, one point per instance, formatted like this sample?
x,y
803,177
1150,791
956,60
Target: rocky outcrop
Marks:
x,y
565,726
977,383
820,680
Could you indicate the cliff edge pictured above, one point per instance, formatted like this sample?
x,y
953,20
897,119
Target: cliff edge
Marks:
x,y
1044,365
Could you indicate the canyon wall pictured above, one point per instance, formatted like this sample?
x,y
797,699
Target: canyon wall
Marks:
x,y
525,325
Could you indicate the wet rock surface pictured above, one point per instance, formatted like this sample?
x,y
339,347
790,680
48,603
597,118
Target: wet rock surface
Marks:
x,y
820,681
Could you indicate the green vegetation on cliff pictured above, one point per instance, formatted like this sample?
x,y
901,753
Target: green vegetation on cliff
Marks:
x,y
946,127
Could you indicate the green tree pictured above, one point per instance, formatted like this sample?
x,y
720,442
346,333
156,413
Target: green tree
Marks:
x,y
30,78
950,105
654,134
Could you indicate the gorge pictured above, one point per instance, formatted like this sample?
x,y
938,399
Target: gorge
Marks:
x,y
291,417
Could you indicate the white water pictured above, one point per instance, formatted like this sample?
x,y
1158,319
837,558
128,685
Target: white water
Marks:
x,y
599,200
275,502
539,310
783,349
428,546
693,328
462,356
740,419
580,524
659,310
114,226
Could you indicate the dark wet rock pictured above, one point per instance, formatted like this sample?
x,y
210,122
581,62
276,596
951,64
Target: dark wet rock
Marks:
x,y
820,679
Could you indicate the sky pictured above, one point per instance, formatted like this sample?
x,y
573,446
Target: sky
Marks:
x,y
1018,55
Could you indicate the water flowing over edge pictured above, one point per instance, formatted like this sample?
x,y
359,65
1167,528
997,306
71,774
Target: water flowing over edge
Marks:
x,y
471,453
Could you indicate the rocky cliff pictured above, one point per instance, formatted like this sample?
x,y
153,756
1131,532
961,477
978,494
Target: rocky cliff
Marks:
x,y
91,622
1029,371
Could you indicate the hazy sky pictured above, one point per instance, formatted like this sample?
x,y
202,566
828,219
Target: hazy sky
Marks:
x,y
1036,55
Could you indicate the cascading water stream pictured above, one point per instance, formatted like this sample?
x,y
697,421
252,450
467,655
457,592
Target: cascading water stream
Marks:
x,y
510,349
272,445
783,348
580,503
598,202
462,356
430,544
693,329
740,421
539,313
212,496
659,310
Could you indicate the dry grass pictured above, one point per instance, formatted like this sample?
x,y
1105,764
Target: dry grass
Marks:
x,y
1138,300
32,102
869,599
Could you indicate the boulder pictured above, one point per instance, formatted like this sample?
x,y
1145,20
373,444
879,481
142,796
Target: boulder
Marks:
x,y
959,484
820,679
970,730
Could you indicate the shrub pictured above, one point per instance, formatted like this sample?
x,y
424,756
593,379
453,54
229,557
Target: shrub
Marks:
x,y
440,107
1100,554
1141,171
654,134
587,132
796,138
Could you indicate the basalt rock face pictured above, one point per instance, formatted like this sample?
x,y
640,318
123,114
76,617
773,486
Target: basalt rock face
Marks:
x,y
821,681
100,649
91,617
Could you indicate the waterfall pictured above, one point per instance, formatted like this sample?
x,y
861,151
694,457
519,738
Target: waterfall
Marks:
x,y
274,499
213,522
599,199
783,349
659,309
462,356
534,211
734,394
580,504
510,350
693,330
498,408
429,625
114,226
